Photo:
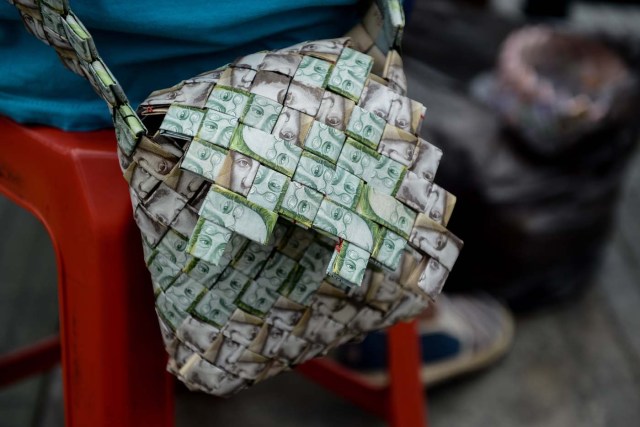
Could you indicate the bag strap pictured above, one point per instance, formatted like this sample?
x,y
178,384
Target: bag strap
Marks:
x,y
54,23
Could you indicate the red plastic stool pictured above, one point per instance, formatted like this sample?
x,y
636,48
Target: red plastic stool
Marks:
x,y
110,347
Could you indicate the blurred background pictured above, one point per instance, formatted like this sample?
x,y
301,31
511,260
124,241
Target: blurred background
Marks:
x,y
535,105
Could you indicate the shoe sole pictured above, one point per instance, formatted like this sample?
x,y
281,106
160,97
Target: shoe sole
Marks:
x,y
440,372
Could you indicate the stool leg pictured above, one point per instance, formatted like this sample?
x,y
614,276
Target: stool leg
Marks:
x,y
112,356
406,393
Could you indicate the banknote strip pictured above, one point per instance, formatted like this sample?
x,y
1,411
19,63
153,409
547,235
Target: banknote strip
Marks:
x,y
325,141
217,305
204,158
335,110
271,85
440,205
182,120
228,100
399,145
348,263
433,277
293,126
313,72
163,270
238,214
217,128
377,98
310,273
237,173
380,172
202,375
350,73
300,203
252,259
414,191
387,211
386,176
238,78
208,241
286,64
345,188
426,161
346,224
334,182
372,22
251,61
328,49
169,312
393,25
365,127
207,273
198,334
304,98
262,294
242,328
435,240
262,113
296,242
267,149
128,128
268,188
184,291
277,272
393,73
314,172
257,299
406,114
388,248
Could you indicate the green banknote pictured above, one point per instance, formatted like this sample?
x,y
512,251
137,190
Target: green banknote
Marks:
x,y
314,172
238,214
378,171
169,312
217,128
252,259
346,224
268,188
182,120
300,203
345,188
184,291
349,264
280,155
350,73
313,71
208,241
262,113
365,127
387,211
324,141
204,159
229,101
388,248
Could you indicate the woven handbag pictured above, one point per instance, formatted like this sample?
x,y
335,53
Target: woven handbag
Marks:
x,y
285,200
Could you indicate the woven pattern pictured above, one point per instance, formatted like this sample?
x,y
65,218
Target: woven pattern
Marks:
x,y
285,201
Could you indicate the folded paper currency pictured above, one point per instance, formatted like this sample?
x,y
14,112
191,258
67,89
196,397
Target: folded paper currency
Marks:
x,y
238,214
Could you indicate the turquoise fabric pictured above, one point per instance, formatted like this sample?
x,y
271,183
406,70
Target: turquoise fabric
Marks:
x,y
149,44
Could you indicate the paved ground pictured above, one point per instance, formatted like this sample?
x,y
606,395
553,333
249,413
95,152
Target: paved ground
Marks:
x,y
575,365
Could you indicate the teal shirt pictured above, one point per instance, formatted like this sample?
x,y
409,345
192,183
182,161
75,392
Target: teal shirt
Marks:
x,y
149,44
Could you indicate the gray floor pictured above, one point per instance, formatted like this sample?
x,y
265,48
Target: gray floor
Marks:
x,y
575,365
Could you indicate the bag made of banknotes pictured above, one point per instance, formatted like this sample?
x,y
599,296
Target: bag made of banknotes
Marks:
x,y
285,200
